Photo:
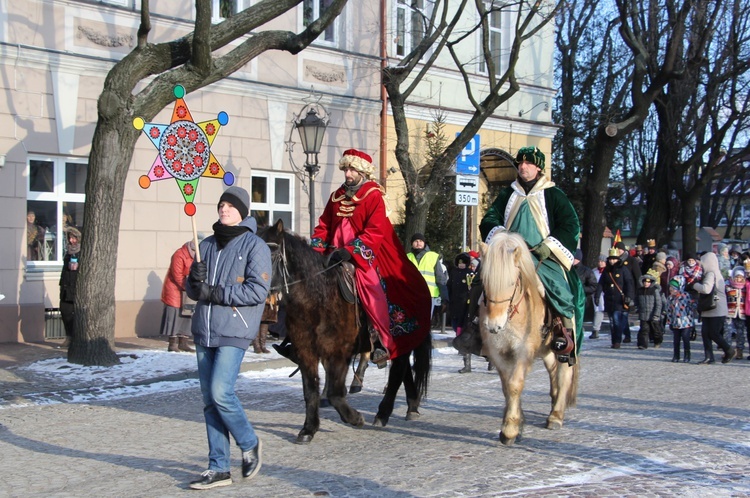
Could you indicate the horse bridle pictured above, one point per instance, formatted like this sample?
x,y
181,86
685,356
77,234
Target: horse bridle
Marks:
x,y
512,308
278,260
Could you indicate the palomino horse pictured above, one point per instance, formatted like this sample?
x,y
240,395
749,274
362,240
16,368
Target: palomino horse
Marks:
x,y
323,327
512,325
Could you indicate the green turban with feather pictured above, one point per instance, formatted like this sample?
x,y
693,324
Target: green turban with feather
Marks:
x,y
531,154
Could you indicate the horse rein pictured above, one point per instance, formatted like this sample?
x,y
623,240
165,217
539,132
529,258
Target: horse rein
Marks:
x,y
512,308
277,256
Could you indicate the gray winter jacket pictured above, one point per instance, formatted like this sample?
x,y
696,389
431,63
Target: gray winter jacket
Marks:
x,y
242,269
649,303
710,264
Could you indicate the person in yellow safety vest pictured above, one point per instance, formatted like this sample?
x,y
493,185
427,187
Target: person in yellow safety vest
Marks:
x,y
432,269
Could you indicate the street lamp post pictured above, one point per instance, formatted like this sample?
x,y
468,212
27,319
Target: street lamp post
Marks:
x,y
311,129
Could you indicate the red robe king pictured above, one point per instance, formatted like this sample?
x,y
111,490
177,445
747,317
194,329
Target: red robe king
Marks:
x,y
393,292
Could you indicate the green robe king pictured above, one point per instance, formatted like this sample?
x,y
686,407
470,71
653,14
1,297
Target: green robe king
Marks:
x,y
542,214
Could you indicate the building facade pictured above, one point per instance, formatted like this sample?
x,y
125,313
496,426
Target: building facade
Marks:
x,y
54,57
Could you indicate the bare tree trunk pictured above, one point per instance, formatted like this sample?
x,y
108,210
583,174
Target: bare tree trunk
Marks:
x,y
594,218
689,229
659,195
111,152
415,220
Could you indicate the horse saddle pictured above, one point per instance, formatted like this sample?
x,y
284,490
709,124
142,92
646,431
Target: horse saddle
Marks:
x,y
345,278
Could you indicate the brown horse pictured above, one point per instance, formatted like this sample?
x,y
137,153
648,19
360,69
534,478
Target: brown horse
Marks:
x,y
323,327
511,322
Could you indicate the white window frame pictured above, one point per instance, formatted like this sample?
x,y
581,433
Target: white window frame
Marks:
x,y
239,6
496,32
59,196
271,205
405,8
121,3
334,26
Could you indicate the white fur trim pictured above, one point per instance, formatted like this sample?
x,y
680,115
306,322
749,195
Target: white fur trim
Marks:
x,y
563,256
356,162
498,228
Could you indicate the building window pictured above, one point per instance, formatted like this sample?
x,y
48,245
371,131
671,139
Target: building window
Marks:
x,y
311,10
272,198
410,25
494,23
224,9
55,200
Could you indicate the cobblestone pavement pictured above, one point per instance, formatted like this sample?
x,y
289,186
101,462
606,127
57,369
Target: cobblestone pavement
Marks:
x,y
643,427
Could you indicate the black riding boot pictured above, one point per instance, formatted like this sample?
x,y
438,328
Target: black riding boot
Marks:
x,y
286,349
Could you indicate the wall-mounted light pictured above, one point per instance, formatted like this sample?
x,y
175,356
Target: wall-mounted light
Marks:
x,y
392,170
546,108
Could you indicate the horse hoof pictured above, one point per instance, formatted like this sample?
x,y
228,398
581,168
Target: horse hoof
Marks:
x,y
554,425
324,403
360,422
378,422
412,415
304,438
355,389
507,441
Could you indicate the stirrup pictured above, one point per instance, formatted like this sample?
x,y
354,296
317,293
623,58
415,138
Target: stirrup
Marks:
x,y
562,338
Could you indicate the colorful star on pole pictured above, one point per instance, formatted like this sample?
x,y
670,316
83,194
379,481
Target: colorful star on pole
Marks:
x,y
184,150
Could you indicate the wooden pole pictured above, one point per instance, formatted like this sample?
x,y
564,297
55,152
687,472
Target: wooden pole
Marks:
x,y
195,240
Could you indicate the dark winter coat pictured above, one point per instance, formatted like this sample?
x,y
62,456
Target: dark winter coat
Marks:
x,y
458,291
632,264
68,279
614,298
649,303
587,277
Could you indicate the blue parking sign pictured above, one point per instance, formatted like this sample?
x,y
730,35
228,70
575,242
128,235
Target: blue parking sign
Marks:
x,y
467,163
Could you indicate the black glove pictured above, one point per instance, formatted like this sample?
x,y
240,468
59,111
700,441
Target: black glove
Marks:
x,y
541,251
204,292
216,295
689,287
338,256
199,271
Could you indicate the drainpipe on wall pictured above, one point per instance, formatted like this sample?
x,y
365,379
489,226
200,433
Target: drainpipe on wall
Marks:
x,y
383,96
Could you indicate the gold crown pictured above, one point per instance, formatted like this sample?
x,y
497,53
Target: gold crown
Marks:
x,y
651,243
613,253
653,273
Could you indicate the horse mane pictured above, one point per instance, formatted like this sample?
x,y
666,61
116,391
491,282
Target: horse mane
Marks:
x,y
507,254
306,264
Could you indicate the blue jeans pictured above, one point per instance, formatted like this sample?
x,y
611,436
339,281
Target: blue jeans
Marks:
x,y
218,369
618,321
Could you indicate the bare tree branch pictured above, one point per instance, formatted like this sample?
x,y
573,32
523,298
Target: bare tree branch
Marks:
x,y
145,26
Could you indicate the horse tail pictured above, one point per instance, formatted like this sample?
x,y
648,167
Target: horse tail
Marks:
x,y
573,389
422,366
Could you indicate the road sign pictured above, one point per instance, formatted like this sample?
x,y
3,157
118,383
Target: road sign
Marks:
x,y
467,163
467,199
467,183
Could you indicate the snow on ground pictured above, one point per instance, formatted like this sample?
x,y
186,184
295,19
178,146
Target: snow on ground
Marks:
x,y
138,368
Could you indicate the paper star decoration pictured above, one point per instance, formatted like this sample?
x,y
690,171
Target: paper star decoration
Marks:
x,y
184,150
